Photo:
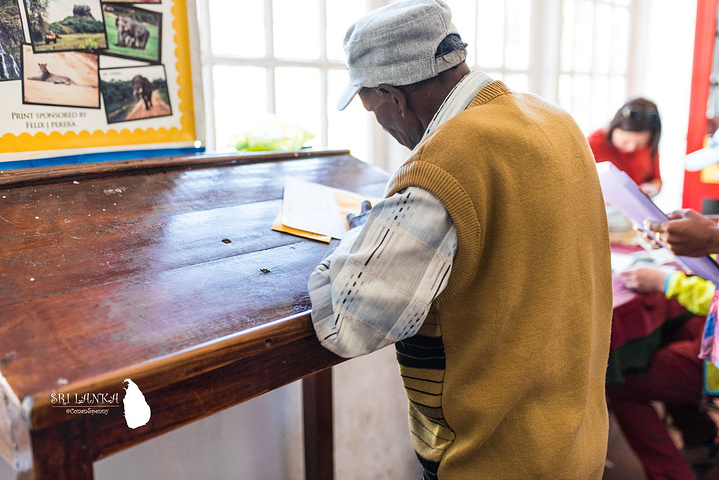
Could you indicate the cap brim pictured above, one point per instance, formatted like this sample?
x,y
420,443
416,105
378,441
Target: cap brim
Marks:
x,y
347,95
701,159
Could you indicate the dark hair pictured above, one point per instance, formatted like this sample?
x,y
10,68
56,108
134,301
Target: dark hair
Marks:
x,y
451,43
638,115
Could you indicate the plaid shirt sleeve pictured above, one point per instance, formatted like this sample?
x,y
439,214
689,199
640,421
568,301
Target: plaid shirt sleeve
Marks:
x,y
377,286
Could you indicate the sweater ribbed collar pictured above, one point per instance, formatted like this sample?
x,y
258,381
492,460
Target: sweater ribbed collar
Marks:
x,y
459,98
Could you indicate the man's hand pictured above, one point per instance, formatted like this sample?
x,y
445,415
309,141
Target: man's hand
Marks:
x,y
688,233
644,279
357,220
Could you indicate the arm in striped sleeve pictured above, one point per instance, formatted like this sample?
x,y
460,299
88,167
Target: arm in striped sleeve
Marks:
x,y
377,286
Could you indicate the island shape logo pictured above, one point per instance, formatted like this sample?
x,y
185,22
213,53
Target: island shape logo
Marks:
x,y
137,411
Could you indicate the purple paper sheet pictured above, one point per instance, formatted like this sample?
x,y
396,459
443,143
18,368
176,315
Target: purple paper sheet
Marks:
x,y
622,193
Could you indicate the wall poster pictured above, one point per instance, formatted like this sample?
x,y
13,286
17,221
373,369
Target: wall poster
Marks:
x,y
94,75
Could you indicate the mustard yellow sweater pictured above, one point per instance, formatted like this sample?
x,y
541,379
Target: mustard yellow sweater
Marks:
x,y
505,378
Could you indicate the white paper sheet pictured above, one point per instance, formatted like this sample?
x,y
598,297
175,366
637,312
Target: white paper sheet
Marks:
x,y
311,207
622,262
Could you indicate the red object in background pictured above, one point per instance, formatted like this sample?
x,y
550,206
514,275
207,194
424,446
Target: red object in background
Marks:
x,y
694,189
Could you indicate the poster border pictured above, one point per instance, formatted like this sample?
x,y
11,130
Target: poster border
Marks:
x,y
56,142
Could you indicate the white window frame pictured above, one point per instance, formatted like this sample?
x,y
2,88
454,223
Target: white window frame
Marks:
x,y
270,62
593,74
543,71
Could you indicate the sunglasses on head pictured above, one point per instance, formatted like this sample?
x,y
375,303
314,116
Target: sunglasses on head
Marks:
x,y
628,112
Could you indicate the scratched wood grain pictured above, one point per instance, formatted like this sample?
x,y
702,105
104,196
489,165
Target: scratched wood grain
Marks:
x,y
150,285
163,271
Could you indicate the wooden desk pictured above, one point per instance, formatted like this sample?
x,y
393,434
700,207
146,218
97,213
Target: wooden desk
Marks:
x,y
164,271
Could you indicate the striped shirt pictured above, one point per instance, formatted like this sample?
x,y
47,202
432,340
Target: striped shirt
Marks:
x,y
376,288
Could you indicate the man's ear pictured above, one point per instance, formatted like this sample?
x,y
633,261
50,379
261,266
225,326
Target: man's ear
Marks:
x,y
398,96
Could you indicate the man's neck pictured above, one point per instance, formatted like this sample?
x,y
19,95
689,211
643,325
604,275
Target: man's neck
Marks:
x,y
427,99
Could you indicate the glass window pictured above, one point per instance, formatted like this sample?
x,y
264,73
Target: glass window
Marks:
x,y
341,14
602,38
285,57
238,28
490,34
279,57
298,99
240,98
567,42
502,29
518,82
350,127
583,30
594,49
516,51
296,26
465,18
620,39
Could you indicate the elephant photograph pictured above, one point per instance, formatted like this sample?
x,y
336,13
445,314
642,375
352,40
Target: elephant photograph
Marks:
x,y
135,93
133,32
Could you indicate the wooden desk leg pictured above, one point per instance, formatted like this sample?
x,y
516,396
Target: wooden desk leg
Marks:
x,y
317,409
61,455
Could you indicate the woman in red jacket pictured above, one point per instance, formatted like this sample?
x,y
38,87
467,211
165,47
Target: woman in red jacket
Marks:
x,y
631,143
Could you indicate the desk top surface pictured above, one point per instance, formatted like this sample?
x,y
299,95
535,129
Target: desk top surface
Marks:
x,y
104,271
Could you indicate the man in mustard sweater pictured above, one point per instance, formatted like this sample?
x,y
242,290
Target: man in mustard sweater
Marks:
x,y
487,263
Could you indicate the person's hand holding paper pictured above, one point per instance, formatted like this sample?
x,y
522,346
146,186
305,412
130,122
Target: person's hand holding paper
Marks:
x,y
687,233
622,193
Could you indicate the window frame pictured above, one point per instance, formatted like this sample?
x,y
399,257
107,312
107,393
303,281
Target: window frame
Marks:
x,y
543,71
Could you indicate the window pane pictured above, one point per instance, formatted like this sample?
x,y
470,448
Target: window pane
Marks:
x,y
490,33
350,127
340,15
297,98
602,38
599,112
617,93
518,28
620,37
564,97
567,36
464,16
296,28
582,60
240,99
225,18
517,81
580,101
496,76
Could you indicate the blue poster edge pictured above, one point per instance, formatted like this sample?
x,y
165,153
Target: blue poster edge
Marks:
x,y
99,157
